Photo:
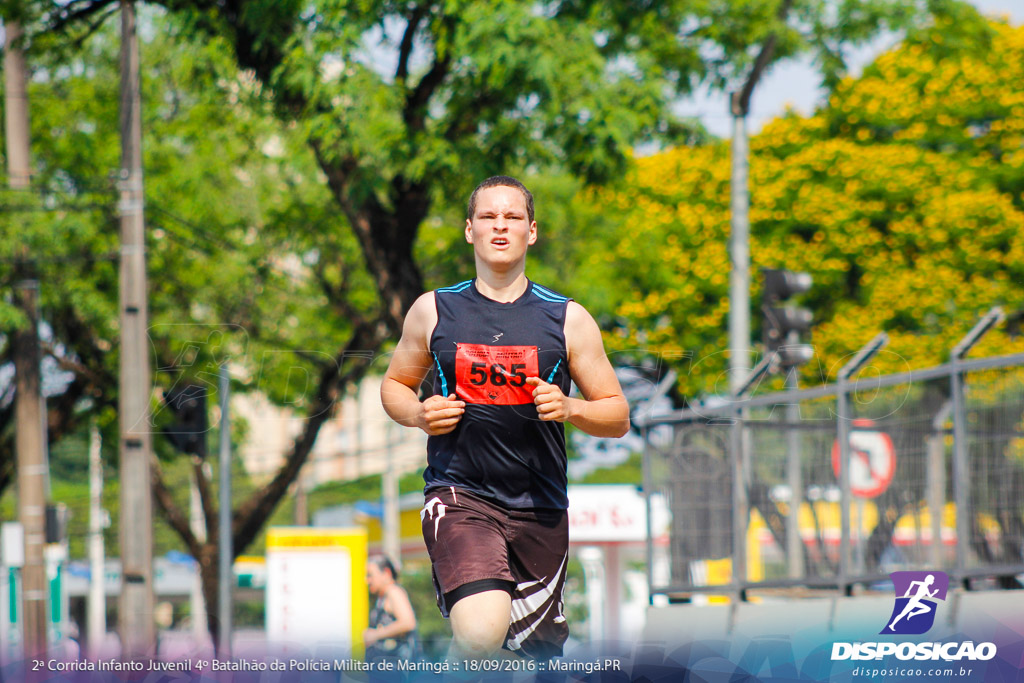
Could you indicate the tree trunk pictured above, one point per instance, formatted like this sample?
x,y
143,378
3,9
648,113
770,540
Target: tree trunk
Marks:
x,y
249,518
208,574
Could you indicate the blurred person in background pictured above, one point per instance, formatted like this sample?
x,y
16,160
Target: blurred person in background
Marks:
x,y
392,630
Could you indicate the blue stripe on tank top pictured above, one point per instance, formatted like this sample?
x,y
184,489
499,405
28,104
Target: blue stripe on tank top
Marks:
x,y
537,288
546,297
456,288
551,377
440,372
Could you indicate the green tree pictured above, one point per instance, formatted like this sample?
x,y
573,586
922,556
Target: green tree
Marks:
x,y
229,274
308,171
905,214
901,197
382,113
742,41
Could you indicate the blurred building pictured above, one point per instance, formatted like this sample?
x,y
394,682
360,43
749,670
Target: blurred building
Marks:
x,y
358,440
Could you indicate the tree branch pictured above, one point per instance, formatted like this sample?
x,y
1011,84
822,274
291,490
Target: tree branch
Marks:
x,y
414,112
740,101
64,363
312,359
172,513
465,125
76,11
351,364
205,501
7,452
93,26
408,40
335,294
388,255
6,467
60,414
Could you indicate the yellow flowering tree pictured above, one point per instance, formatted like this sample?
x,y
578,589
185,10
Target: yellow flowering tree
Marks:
x,y
902,197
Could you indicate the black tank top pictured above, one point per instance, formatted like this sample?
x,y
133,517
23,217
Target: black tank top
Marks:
x,y
483,351
405,646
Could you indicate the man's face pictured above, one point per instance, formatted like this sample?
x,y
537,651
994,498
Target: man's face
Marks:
x,y
500,229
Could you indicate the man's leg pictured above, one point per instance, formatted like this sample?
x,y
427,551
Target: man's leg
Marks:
x,y
920,609
465,539
479,625
538,556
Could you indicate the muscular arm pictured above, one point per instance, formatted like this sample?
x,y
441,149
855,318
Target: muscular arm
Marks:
x,y
409,365
603,410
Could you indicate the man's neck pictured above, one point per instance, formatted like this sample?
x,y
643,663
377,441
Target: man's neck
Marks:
x,y
501,287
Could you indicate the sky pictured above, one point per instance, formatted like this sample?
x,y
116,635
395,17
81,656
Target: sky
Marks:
x,y
795,84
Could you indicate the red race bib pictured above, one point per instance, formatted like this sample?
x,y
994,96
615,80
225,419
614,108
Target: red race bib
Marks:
x,y
494,374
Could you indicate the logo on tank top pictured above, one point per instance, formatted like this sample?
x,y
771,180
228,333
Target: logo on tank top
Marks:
x,y
495,374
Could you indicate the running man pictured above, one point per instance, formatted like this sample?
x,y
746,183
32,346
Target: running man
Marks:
x,y
504,351
914,606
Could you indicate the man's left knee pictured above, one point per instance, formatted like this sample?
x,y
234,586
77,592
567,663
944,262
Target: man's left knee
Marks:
x,y
480,623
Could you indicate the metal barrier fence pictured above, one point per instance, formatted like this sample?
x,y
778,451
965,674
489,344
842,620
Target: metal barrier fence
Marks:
x,y
759,498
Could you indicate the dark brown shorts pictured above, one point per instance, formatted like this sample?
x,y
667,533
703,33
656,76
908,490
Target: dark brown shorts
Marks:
x,y
475,546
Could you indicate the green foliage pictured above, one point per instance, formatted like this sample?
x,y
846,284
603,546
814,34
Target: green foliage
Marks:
x,y
293,151
334,494
75,495
901,198
246,113
628,472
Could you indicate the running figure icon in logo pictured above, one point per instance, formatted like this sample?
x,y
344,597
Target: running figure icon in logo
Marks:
x,y
916,593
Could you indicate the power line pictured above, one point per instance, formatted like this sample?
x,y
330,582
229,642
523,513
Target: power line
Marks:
x,y
60,207
36,189
197,230
81,258
221,243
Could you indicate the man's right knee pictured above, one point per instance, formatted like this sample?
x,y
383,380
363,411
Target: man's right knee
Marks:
x,y
480,623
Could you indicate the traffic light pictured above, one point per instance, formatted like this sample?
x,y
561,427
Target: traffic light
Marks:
x,y
56,524
784,322
188,432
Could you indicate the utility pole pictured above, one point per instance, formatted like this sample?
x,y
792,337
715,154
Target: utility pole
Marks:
x,y
29,409
138,632
19,170
739,204
198,523
225,575
97,605
739,247
32,469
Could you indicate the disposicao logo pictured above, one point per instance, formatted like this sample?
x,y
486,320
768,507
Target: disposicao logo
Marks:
x,y
916,596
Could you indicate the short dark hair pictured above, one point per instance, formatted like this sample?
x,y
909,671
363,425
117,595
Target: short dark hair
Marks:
x,y
383,563
500,181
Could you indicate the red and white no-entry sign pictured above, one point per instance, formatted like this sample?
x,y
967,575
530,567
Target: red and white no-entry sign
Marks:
x,y
872,459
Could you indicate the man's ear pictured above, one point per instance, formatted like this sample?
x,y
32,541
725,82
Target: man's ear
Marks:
x,y
469,231
533,234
